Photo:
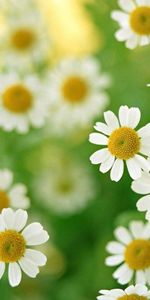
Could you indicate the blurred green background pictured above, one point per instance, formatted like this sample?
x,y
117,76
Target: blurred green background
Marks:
x,y
76,269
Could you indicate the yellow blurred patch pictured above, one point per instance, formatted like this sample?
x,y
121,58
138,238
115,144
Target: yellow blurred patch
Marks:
x,y
71,28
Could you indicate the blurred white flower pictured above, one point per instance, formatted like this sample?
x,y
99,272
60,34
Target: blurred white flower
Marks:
x,y
12,195
22,103
66,189
142,186
132,252
137,292
122,142
24,41
134,20
77,88
14,243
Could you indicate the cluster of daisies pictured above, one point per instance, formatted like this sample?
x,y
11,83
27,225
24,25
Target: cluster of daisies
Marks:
x,y
121,144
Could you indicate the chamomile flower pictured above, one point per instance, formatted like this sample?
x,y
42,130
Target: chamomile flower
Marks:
x,y
132,292
22,103
65,194
131,252
134,21
142,186
78,90
121,143
24,42
12,195
15,239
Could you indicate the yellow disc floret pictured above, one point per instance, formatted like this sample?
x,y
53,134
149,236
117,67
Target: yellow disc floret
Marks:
x,y
74,89
137,254
12,246
17,98
22,39
4,200
140,20
124,143
132,297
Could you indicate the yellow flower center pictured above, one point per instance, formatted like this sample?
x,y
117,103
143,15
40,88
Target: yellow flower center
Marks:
x,y
74,89
12,246
22,39
140,20
137,254
124,143
4,200
132,297
17,98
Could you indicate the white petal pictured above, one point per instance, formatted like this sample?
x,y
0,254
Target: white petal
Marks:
x,y
6,178
2,224
126,277
143,203
31,230
8,217
133,168
37,257
142,162
144,40
114,260
123,115
123,34
2,269
142,185
140,277
38,239
28,267
121,17
102,127
146,231
136,228
106,165
132,42
123,235
99,156
98,139
127,5
20,221
120,271
111,120
14,274
134,116
141,290
144,132
115,248
117,170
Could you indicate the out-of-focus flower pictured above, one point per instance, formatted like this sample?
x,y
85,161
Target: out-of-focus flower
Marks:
x,y
132,251
56,261
14,243
22,103
142,186
12,195
137,292
65,193
122,143
72,30
24,42
77,88
134,21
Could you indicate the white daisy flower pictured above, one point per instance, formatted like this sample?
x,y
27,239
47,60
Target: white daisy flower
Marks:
x,y
122,143
22,103
134,21
24,41
12,195
14,242
142,186
131,252
65,194
77,88
132,292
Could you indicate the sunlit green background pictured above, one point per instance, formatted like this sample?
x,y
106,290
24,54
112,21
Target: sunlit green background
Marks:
x,y
80,239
